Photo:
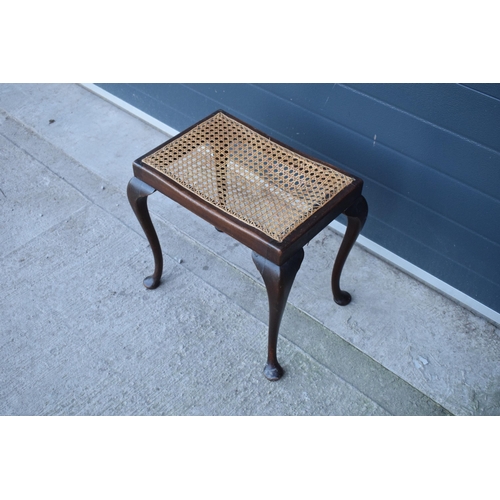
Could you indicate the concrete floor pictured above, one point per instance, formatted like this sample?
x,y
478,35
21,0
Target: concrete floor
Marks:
x,y
81,336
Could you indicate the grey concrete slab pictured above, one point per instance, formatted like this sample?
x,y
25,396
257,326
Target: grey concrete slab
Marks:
x,y
300,329
41,198
325,374
87,128
83,337
436,345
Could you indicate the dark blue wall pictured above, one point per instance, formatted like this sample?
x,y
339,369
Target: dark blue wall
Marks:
x,y
429,155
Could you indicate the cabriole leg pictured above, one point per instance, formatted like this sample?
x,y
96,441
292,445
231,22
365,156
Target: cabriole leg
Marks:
x,y
278,281
138,192
356,218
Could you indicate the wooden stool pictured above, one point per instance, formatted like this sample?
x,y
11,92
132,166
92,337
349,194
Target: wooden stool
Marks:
x,y
257,190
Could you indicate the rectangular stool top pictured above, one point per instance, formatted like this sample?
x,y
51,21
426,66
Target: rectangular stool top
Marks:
x,y
247,174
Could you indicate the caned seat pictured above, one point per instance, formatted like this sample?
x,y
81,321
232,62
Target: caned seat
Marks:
x,y
248,176
261,192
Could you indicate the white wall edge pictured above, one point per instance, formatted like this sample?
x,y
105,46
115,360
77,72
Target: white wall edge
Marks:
x,y
423,276
130,109
370,246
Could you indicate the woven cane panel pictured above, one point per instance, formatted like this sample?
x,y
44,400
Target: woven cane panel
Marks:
x,y
248,176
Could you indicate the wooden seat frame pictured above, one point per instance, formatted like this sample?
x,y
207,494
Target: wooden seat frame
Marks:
x,y
278,262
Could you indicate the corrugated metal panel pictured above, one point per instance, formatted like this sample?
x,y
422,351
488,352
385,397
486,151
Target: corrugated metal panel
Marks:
x,y
429,154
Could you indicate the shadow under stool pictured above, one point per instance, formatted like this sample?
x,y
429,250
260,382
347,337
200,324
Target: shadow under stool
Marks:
x,y
266,195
